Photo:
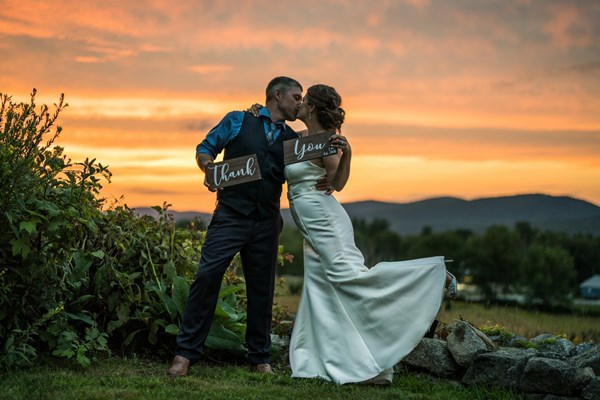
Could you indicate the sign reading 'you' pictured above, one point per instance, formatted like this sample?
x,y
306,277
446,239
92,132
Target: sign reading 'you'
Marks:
x,y
308,148
232,172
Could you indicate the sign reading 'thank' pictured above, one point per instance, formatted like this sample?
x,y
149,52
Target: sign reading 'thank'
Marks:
x,y
232,172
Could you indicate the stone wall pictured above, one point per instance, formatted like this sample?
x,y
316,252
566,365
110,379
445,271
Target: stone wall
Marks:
x,y
546,367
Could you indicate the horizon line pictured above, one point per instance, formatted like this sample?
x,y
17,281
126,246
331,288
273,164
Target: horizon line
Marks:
x,y
407,202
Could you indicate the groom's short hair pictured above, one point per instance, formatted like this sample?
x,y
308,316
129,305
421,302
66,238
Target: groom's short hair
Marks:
x,y
281,83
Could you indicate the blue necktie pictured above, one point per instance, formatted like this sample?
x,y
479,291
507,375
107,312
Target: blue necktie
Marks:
x,y
271,134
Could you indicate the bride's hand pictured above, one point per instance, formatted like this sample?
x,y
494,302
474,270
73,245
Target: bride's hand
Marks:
x,y
340,142
254,109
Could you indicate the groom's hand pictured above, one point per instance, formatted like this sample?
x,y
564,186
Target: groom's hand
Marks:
x,y
203,160
212,189
323,185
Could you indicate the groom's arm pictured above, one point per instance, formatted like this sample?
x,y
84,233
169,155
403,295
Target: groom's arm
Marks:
x,y
217,139
203,160
323,185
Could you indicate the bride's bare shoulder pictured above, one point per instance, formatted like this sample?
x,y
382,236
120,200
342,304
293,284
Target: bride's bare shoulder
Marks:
x,y
303,132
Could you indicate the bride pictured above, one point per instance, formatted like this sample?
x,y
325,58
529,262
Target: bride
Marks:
x,y
353,323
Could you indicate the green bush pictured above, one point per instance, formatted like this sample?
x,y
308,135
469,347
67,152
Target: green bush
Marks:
x,y
78,276
48,210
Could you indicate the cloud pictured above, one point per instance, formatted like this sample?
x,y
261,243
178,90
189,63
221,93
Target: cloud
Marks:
x,y
483,144
435,79
569,26
586,68
88,59
211,68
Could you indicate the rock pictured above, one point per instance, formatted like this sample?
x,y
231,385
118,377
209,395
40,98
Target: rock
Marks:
x,y
546,367
592,390
553,355
581,378
432,355
545,375
542,337
591,358
465,342
518,341
550,343
583,347
502,368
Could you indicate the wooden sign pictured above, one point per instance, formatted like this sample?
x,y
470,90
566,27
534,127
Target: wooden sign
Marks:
x,y
232,172
308,148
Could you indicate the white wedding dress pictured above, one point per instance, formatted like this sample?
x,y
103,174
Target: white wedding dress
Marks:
x,y
353,322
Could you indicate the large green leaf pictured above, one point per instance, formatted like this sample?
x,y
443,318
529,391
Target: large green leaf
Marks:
x,y
82,262
227,290
181,290
130,337
81,317
20,247
170,270
98,254
157,323
227,310
168,303
172,329
29,226
221,338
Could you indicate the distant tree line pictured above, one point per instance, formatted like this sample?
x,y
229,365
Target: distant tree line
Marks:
x,y
546,267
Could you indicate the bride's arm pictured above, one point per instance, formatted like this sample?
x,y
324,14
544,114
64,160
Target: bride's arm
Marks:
x,y
338,166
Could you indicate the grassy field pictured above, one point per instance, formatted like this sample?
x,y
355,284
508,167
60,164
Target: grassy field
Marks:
x,y
518,321
526,323
133,379
136,378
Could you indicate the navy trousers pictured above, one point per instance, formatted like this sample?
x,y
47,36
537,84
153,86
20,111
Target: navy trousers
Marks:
x,y
257,240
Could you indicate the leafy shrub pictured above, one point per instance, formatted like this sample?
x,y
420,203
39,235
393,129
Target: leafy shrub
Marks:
x,y
79,277
48,210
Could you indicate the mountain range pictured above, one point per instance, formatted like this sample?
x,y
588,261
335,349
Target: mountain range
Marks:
x,y
554,213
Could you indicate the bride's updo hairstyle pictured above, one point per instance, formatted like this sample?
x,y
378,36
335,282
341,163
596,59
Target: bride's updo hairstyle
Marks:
x,y
327,106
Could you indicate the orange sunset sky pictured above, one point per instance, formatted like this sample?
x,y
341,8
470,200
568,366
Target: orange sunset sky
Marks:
x,y
457,98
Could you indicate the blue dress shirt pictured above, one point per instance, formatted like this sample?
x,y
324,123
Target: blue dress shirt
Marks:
x,y
229,127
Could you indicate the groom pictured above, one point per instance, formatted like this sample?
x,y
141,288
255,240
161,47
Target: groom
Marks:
x,y
246,220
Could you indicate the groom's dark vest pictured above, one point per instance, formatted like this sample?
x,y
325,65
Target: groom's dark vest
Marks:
x,y
260,196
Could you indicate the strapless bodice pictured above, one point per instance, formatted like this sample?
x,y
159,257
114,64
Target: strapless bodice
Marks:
x,y
302,178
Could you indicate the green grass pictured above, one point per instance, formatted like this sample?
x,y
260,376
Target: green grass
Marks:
x,y
137,378
129,379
